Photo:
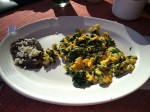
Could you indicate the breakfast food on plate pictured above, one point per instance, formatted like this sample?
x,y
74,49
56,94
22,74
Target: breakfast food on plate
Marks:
x,y
49,57
27,53
93,58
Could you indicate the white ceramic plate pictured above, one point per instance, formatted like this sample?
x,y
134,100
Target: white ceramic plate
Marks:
x,y
52,85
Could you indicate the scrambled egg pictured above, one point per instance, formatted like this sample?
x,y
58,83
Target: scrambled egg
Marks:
x,y
49,57
96,54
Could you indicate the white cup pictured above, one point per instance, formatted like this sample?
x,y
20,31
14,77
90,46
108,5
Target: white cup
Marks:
x,y
128,9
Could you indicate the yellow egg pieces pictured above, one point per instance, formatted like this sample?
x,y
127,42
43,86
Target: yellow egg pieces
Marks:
x,y
93,58
49,57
